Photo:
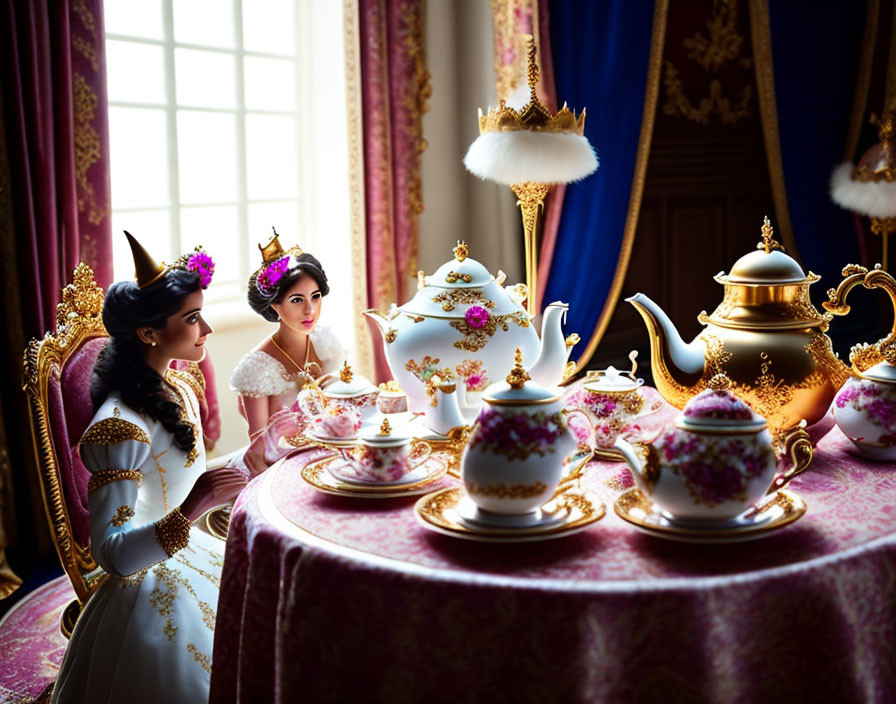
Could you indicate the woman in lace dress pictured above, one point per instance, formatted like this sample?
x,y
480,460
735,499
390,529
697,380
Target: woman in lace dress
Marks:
x,y
146,633
288,289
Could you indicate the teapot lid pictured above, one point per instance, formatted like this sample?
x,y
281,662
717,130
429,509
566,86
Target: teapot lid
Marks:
x,y
612,380
882,371
460,272
767,265
718,409
384,437
518,389
348,385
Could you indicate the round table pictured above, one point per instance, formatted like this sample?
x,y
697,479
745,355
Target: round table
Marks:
x,y
326,598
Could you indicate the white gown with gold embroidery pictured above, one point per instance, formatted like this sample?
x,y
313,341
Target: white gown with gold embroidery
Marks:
x,y
146,634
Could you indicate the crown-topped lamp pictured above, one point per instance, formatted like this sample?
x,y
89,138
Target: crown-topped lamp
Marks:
x,y
530,150
869,187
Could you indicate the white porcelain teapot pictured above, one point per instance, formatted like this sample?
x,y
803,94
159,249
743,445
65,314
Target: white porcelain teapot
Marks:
x,y
463,325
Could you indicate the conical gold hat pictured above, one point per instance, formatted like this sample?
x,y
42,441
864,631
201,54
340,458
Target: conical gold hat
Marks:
x,y
146,271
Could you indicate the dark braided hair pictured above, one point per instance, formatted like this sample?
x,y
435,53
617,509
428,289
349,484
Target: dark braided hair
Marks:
x,y
120,366
298,265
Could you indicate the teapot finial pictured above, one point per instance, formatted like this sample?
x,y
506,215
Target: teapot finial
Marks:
x,y
719,382
386,427
461,251
518,376
768,238
345,374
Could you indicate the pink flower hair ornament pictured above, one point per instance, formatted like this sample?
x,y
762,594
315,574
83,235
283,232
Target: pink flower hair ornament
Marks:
x,y
199,262
268,278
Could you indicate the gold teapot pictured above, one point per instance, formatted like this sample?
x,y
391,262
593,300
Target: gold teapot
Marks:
x,y
765,336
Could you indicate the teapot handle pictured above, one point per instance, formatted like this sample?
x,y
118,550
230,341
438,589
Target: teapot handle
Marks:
x,y
795,452
864,356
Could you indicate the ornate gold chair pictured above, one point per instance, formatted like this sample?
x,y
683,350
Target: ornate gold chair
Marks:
x,y
57,383
58,369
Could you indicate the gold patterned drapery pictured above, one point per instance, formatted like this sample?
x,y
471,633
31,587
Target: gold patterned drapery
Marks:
x,y
395,92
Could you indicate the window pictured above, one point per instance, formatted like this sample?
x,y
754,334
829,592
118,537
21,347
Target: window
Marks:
x,y
208,141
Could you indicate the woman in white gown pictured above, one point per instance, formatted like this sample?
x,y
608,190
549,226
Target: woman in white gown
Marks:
x,y
287,289
146,634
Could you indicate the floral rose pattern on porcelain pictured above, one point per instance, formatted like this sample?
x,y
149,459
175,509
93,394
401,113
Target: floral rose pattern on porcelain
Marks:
x,y
384,465
716,469
474,376
517,435
337,421
613,414
876,401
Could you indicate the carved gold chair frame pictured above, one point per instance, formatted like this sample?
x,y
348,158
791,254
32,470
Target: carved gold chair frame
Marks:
x,y
78,319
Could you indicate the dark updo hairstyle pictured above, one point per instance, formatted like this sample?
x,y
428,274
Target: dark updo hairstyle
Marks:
x,y
120,366
299,264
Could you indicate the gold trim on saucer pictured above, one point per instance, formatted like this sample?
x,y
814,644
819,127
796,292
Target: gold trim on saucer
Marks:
x,y
316,474
436,511
784,509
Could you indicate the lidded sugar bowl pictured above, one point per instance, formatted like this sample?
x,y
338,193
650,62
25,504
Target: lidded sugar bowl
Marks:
x,y
513,463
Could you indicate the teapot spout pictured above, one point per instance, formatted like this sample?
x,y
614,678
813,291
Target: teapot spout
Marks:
x,y
675,364
551,363
381,321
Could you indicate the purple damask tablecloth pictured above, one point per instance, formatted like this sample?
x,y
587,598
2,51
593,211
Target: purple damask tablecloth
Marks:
x,y
332,599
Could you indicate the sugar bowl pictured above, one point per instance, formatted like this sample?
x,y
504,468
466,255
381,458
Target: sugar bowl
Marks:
x,y
865,410
353,390
716,461
513,463
608,402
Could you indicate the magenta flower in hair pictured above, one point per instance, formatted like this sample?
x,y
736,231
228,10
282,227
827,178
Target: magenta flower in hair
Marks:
x,y
202,263
270,276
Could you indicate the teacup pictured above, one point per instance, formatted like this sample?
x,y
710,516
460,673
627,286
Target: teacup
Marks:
x,y
336,421
385,457
609,401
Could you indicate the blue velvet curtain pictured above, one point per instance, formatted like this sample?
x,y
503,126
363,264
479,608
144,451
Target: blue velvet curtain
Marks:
x,y
815,52
600,52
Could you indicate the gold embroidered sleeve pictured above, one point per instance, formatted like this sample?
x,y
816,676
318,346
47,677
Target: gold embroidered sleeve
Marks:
x,y
103,477
173,532
109,431
191,376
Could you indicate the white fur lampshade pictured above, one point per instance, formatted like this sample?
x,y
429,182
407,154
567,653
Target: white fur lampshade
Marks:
x,y
876,199
521,155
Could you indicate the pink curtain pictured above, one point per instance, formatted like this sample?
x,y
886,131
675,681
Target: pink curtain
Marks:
x,y
394,92
54,91
511,20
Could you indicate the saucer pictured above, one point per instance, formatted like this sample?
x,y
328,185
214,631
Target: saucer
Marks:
x,y
471,516
781,510
440,512
342,470
329,440
317,474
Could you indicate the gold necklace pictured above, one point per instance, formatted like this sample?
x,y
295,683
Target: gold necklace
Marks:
x,y
286,354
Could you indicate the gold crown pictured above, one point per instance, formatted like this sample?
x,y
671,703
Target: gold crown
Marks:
x,y
273,250
533,116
